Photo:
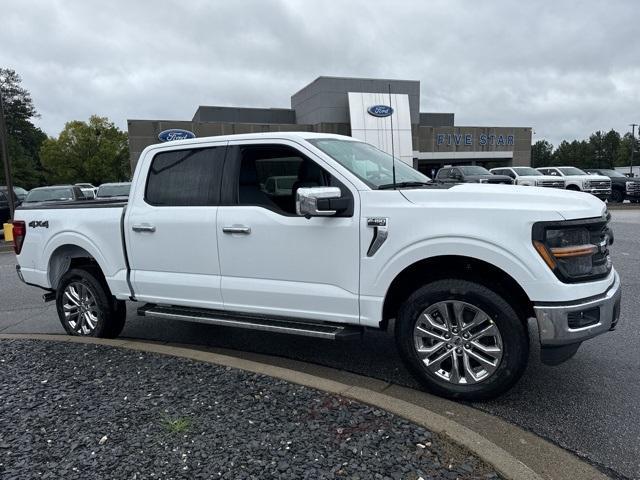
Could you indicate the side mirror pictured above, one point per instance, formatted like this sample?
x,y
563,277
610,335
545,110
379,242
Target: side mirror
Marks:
x,y
317,201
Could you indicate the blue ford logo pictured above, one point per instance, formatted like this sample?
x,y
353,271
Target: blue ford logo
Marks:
x,y
175,134
380,110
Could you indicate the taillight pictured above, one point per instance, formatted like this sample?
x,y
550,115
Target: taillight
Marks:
x,y
19,232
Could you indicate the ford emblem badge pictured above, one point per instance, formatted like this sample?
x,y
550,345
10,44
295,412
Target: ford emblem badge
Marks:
x,y
175,134
380,110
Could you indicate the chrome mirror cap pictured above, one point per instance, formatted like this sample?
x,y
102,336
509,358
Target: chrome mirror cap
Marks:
x,y
307,200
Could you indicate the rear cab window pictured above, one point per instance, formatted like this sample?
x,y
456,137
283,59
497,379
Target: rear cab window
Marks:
x,y
186,177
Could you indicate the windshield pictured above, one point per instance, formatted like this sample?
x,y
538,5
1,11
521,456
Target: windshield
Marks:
x,y
474,170
49,194
372,166
609,173
571,171
527,171
121,190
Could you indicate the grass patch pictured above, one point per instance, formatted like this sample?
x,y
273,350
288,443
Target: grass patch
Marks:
x,y
177,425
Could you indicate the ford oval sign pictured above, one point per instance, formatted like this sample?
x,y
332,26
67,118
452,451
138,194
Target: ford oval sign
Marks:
x,y
175,134
380,110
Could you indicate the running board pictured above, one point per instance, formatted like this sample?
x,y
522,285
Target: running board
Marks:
x,y
291,326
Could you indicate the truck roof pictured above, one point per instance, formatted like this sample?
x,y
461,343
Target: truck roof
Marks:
x,y
256,136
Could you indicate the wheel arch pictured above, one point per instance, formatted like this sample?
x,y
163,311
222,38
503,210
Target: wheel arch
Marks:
x,y
459,267
66,257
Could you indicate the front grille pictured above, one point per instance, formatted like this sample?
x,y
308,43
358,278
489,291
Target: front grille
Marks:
x,y
551,183
600,184
507,182
633,187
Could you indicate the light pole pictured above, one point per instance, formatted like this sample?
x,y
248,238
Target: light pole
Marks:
x,y
633,142
4,151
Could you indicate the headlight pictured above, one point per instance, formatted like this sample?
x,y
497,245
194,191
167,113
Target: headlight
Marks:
x,y
587,184
574,252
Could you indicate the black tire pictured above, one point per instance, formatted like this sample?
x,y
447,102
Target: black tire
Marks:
x,y
617,196
573,188
111,314
513,332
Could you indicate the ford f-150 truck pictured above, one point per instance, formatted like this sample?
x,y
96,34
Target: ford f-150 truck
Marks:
x,y
352,246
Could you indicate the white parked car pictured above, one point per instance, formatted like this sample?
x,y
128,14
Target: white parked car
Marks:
x,y
200,239
529,177
580,181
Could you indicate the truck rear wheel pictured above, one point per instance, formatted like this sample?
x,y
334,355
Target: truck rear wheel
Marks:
x,y
86,307
461,340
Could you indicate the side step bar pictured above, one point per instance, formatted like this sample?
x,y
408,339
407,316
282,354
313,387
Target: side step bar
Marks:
x,y
292,326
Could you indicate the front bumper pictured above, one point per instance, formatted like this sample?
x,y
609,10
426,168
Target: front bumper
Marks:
x,y
556,321
599,192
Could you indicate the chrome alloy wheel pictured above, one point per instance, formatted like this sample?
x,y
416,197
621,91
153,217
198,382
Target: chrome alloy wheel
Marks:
x,y
80,308
458,342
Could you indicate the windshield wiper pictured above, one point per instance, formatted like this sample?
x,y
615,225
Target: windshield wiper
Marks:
x,y
387,186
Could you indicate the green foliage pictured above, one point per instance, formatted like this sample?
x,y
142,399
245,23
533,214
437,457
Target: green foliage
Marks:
x,y
24,138
541,152
95,151
602,150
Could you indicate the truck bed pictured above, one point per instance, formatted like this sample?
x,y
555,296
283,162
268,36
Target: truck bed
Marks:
x,y
55,229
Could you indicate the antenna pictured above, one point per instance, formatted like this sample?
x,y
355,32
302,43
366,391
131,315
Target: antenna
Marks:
x,y
393,157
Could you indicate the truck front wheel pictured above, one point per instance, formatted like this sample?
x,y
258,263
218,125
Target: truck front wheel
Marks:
x,y
86,307
461,340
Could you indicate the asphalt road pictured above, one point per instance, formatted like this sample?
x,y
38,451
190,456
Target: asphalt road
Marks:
x,y
588,405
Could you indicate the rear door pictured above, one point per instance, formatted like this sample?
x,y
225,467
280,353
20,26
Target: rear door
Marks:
x,y
274,262
170,226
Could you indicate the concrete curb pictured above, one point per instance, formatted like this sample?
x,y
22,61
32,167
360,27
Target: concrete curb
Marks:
x,y
418,407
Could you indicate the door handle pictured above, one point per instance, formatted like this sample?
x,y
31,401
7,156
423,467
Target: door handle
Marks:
x,y
143,228
243,230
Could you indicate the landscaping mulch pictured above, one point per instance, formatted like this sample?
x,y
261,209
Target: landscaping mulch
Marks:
x,y
90,411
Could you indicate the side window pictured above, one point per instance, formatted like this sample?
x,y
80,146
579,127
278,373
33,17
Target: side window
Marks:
x,y
553,172
78,194
188,177
455,173
442,173
509,173
270,176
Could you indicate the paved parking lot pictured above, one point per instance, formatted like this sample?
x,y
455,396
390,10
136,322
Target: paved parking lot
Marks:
x,y
588,405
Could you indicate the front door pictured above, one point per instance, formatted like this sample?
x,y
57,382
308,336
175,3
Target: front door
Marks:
x,y
273,261
170,229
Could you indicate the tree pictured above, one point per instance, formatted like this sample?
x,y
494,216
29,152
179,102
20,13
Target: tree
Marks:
x,y
24,138
541,153
95,151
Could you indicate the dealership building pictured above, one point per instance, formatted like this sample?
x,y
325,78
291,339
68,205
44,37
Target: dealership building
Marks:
x,y
359,107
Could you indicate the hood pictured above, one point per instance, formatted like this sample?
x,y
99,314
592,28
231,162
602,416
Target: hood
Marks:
x,y
586,177
502,178
568,204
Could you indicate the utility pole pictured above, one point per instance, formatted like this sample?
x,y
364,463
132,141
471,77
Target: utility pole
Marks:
x,y
633,144
4,151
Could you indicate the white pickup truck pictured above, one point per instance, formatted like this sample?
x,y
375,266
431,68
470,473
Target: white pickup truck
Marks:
x,y
457,270
580,181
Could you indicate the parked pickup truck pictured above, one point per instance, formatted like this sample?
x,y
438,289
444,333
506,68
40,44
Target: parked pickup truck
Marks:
x,y
202,239
580,181
529,177
622,187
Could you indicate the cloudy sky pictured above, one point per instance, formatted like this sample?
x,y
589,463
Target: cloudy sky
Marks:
x,y
565,68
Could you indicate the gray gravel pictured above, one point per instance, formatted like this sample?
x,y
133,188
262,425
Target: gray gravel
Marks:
x,y
88,411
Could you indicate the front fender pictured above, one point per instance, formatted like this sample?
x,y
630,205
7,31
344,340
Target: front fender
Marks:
x,y
492,253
